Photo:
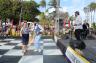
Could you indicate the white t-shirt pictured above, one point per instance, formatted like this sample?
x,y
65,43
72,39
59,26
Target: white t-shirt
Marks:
x,y
77,23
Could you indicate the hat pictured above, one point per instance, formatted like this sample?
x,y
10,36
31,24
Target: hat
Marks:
x,y
77,12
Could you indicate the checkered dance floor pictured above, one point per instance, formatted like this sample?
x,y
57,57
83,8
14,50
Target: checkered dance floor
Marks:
x,y
10,52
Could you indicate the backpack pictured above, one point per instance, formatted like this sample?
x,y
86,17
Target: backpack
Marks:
x,y
37,30
84,26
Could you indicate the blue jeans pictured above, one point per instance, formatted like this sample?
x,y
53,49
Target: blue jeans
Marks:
x,y
37,41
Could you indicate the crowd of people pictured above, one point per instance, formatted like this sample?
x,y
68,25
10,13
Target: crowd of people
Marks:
x,y
81,30
49,29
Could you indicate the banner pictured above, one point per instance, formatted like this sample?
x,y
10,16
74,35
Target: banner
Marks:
x,y
74,57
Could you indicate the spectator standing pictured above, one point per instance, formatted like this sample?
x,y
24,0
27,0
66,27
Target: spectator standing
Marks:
x,y
78,26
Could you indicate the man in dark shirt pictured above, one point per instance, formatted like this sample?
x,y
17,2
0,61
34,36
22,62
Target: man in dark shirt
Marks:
x,y
85,30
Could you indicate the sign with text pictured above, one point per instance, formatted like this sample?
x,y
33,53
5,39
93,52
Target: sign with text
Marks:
x,y
74,57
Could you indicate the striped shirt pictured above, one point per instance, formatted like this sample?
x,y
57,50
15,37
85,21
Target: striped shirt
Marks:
x,y
25,30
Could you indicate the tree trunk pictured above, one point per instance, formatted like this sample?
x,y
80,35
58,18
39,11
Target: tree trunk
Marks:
x,y
93,16
91,19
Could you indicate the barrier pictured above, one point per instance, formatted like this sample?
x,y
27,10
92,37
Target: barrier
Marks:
x,y
75,57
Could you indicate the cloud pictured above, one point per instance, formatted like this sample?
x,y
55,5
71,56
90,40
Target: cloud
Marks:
x,y
63,9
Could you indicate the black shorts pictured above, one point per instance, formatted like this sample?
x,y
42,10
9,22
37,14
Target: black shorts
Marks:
x,y
25,39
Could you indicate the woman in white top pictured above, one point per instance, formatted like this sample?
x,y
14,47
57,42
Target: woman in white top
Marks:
x,y
25,37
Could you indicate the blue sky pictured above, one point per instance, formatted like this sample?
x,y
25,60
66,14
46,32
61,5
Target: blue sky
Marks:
x,y
71,5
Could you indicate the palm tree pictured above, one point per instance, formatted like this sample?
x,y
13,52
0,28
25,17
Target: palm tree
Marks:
x,y
42,18
92,7
52,3
86,11
94,26
43,3
42,15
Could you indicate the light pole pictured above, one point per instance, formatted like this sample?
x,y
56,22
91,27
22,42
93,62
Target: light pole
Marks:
x,y
57,16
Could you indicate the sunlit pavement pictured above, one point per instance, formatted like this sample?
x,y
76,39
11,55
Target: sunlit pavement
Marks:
x,y
10,52
90,51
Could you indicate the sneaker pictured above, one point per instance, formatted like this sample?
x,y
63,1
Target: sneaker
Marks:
x,y
24,52
29,45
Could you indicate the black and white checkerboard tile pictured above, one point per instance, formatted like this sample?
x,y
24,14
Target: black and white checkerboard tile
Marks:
x,y
10,52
